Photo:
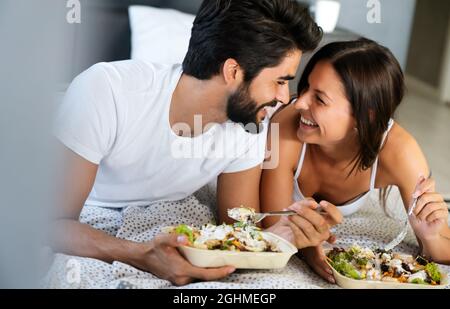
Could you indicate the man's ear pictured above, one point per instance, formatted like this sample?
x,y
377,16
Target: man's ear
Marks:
x,y
232,73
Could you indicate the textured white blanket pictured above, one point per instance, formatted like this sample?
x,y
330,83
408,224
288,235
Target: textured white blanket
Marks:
x,y
369,227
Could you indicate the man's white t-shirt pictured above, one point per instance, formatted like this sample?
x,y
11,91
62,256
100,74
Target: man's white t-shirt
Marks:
x,y
116,115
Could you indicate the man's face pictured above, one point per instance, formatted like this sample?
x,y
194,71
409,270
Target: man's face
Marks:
x,y
249,103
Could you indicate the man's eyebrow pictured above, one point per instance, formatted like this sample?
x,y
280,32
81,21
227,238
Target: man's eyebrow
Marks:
x,y
287,77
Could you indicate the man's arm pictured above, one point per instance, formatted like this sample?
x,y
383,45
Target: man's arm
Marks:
x,y
68,234
159,256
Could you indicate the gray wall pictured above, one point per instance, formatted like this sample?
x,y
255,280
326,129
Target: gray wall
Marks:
x,y
32,59
104,32
428,41
394,30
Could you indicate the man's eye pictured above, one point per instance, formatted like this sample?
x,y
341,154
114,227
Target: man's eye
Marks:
x,y
281,83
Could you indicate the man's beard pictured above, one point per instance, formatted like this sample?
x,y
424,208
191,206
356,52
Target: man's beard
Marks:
x,y
243,110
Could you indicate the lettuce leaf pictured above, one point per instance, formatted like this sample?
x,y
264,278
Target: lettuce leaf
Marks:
x,y
433,271
418,281
347,269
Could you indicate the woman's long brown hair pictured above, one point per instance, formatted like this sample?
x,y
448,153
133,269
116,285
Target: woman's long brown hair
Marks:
x,y
374,85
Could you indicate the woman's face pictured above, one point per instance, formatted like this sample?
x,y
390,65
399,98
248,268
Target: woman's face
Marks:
x,y
325,112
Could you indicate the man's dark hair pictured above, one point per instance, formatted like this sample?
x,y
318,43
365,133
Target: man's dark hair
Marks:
x,y
258,34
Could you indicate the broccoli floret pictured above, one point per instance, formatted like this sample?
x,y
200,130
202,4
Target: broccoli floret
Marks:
x,y
183,229
433,271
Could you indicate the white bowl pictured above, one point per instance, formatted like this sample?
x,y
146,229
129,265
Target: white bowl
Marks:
x,y
349,283
244,260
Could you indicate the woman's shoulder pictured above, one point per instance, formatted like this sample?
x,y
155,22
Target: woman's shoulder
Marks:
x,y
401,153
398,143
286,119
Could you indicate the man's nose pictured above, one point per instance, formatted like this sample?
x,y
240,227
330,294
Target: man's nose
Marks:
x,y
284,96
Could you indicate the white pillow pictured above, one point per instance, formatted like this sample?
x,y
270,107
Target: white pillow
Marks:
x,y
159,35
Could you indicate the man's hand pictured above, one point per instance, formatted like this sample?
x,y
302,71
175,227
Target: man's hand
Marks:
x,y
161,258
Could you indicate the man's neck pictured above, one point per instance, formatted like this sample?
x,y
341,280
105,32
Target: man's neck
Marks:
x,y
202,99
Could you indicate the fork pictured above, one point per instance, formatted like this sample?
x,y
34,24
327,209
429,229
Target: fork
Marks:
x,y
258,217
397,240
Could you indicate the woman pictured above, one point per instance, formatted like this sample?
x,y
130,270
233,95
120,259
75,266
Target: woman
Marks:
x,y
338,142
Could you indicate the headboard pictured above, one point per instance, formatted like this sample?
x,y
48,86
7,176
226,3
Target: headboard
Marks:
x,y
104,32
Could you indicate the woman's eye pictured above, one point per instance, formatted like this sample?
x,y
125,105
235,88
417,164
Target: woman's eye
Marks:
x,y
320,100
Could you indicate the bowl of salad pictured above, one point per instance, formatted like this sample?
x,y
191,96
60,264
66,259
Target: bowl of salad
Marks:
x,y
242,245
363,268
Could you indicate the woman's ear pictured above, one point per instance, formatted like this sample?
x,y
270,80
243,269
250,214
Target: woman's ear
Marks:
x,y
232,73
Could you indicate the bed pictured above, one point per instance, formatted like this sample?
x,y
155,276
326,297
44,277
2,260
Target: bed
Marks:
x,y
105,35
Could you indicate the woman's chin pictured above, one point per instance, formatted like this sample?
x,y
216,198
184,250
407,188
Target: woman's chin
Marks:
x,y
307,136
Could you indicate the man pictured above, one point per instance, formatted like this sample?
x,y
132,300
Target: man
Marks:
x,y
126,126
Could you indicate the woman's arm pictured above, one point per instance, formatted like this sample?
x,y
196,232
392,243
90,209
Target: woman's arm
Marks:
x,y
236,189
277,184
403,161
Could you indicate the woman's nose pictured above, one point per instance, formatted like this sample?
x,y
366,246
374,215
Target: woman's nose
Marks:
x,y
302,102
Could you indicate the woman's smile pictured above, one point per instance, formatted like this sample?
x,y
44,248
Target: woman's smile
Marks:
x,y
307,124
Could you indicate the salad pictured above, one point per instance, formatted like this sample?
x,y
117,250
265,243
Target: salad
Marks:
x,y
241,236
242,214
237,237
379,265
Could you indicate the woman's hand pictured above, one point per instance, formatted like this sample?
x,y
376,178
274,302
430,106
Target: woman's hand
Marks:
x,y
308,228
430,216
316,259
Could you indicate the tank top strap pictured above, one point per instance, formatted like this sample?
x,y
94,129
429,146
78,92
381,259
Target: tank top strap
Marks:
x,y
300,161
373,176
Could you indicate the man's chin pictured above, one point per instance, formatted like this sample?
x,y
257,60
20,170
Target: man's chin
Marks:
x,y
254,126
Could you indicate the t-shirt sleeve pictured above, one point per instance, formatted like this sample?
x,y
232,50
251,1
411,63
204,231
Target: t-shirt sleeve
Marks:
x,y
254,154
86,121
